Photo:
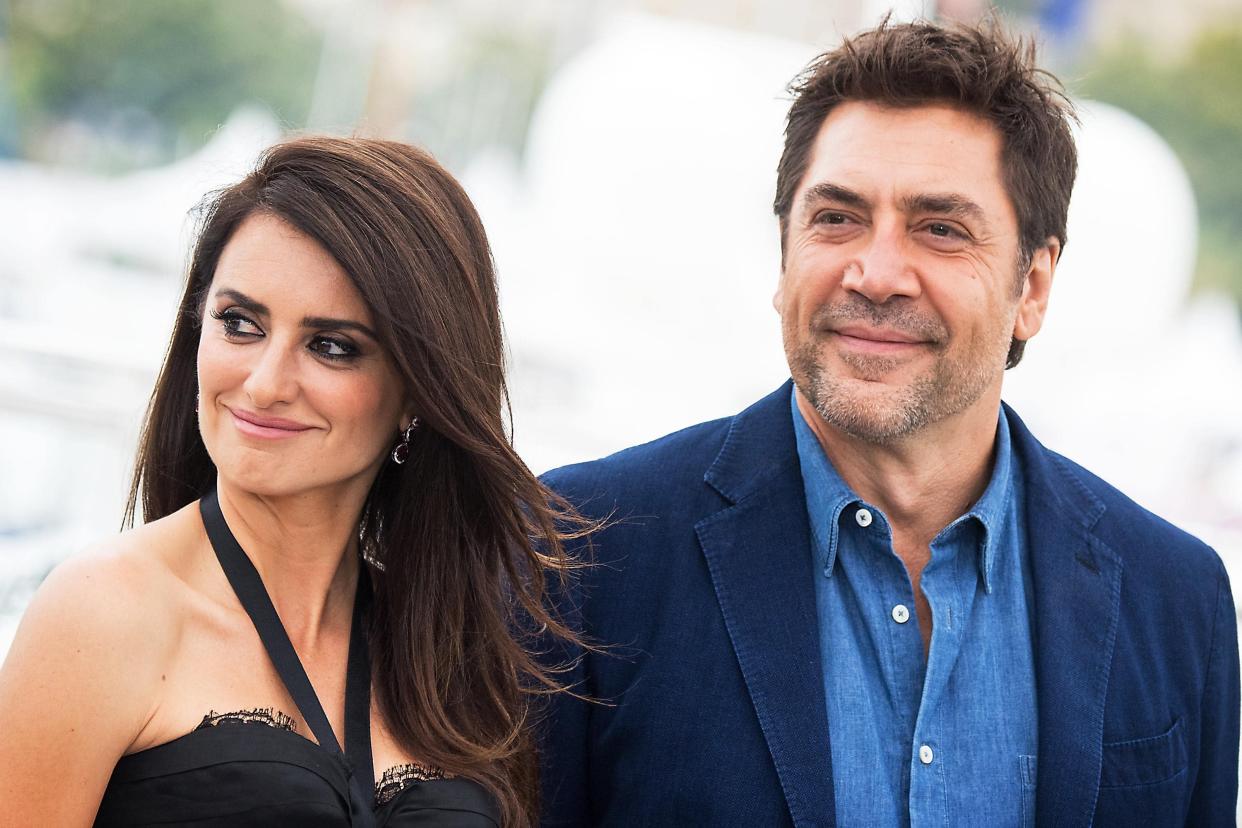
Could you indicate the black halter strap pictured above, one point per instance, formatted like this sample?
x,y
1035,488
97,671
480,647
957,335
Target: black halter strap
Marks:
x,y
246,582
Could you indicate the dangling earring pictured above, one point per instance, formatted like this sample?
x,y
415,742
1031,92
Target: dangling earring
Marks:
x,y
401,452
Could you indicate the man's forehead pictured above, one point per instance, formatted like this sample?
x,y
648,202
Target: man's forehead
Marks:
x,y
851,118
907,153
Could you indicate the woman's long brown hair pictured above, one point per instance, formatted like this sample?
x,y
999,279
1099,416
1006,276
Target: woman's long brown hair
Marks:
x,y
464,535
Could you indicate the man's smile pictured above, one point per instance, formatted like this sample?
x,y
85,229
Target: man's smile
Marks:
x,y
884,341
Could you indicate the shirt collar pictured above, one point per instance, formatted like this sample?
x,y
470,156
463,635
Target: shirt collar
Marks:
x,y
827,495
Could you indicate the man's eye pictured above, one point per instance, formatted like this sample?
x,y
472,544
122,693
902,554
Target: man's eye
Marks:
x,y
829,217
938,229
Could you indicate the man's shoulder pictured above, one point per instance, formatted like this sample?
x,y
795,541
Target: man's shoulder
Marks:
x,y
1139,536
669,463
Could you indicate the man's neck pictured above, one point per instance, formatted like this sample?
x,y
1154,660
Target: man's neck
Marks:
x,y
924,481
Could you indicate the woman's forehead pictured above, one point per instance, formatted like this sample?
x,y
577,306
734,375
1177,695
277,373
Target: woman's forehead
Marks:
x,y
277,265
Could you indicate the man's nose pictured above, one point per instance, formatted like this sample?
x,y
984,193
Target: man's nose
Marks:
x,y
882,269
273,375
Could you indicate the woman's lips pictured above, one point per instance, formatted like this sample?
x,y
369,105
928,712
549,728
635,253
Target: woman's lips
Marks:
x,y
269,428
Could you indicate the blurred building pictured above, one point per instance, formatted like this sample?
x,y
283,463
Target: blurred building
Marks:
x,y
622,154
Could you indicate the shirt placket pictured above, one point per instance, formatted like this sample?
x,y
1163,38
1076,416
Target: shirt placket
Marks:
x,y
949,582
892,619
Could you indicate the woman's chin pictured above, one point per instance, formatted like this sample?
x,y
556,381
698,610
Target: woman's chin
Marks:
x,y
273,485
274,477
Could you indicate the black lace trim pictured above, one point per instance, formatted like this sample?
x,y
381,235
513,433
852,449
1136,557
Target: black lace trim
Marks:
x,y
269,716
399,777
392,782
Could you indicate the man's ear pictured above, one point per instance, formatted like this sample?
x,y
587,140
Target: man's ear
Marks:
x,y
778,298
1036,287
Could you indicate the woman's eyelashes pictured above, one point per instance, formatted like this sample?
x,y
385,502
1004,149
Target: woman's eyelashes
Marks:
x,y
234,324
332,348
238,327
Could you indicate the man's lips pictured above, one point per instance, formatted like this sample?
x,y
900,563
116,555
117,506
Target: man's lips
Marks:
x,y
876,340
256,425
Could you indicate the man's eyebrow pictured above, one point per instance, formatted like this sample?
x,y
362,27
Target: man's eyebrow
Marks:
x,y
947,204
827,191
307,321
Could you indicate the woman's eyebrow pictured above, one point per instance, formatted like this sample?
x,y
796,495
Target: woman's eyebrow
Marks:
x,y
307,321
341,324
243,300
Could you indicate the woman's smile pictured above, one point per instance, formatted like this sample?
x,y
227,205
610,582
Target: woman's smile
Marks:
x,y
268,428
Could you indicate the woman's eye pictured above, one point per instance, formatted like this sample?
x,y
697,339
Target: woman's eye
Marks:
x,y
332,348
236,325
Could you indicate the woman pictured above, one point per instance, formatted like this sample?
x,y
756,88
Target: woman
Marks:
x,y
333,514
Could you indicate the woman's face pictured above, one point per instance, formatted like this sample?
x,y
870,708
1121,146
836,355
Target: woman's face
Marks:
x,y
295,392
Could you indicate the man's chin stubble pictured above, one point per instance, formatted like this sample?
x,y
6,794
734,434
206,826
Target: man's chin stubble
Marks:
x,y
883,420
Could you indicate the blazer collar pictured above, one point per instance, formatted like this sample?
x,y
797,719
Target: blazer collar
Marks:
x,y
1076,581
758,551
758,450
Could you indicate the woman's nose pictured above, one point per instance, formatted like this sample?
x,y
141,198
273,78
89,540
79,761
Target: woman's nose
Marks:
x,y
273,376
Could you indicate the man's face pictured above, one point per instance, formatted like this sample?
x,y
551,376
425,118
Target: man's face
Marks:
x,y
900,288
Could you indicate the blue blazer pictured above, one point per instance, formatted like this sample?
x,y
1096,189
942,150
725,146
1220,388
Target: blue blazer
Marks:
x,y
710,706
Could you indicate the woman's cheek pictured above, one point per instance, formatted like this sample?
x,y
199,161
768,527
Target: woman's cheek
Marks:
x,y
357,404
368,401
214,363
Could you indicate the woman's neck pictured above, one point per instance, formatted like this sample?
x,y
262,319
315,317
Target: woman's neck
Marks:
x,y
305,548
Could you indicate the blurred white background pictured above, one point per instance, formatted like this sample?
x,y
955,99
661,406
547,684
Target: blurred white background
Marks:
x,y
623,157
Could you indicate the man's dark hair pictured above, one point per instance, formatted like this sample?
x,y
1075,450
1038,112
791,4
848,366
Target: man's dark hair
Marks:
x,y
983,70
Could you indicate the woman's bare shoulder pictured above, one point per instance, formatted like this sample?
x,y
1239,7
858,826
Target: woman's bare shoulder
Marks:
x,y
83,674
115,603
122,585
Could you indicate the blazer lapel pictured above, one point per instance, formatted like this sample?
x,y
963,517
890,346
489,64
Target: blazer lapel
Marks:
x,y
1077,590
758,551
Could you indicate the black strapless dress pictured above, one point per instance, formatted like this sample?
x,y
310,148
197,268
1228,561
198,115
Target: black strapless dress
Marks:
x,y
253,774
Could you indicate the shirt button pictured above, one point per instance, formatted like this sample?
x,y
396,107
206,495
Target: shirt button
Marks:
x,y
863,516
901,614
926,755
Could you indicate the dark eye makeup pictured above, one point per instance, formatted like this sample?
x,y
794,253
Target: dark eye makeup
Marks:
x,y
332,348
234,323
232,320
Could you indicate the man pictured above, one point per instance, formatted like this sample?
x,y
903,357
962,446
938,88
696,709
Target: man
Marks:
x,y
873,598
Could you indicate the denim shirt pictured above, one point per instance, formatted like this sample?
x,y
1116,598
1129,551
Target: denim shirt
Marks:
x,y
949,741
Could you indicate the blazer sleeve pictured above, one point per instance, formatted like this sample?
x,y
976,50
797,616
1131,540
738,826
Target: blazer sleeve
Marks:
x,y
563,729
1214,801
